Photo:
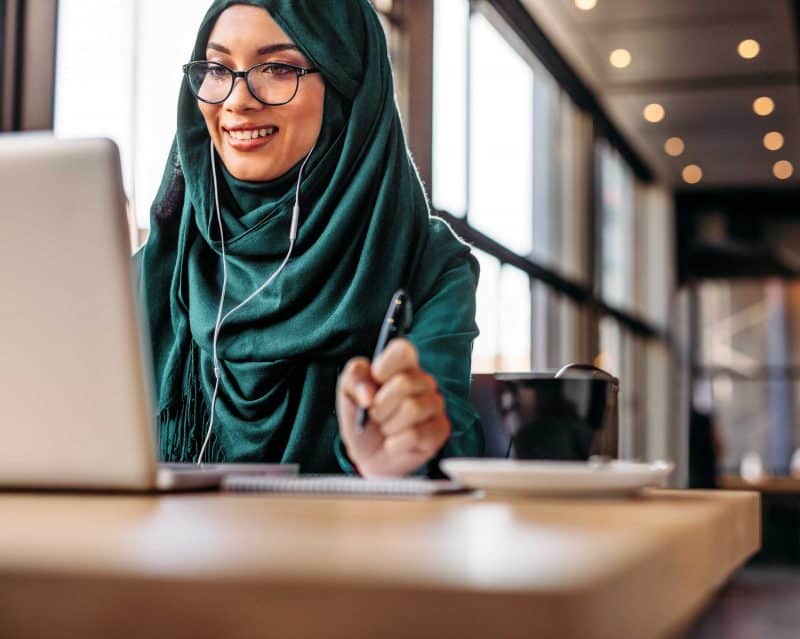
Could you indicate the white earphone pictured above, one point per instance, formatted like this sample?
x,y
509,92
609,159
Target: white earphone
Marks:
x,y
220,317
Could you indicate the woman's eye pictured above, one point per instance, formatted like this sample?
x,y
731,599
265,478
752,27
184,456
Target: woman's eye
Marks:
x,y
278,70
216,72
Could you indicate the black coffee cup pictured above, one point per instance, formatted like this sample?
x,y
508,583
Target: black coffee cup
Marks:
x,y
570,415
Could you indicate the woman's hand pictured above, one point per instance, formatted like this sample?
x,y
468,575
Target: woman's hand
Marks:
x,y
407,422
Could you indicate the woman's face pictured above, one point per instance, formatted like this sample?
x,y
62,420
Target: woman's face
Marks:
x,y
243,37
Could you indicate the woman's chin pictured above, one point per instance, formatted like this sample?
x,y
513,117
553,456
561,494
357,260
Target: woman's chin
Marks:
x,y
246,172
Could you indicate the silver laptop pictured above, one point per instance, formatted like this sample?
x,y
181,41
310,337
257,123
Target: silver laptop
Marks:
x,y
76,408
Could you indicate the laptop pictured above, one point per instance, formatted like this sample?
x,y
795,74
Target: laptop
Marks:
x,y
76,407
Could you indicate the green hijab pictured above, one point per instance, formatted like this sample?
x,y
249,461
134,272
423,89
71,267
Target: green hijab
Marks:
x,y
365,230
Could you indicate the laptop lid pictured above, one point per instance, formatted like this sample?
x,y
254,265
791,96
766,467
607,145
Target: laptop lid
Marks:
x,y
75,397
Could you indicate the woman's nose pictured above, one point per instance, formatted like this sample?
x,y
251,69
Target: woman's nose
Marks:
x,y
241,98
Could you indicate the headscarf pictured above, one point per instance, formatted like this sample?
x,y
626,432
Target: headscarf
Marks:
x,y
365,231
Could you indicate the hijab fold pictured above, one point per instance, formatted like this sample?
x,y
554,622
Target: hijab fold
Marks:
x,y
365,231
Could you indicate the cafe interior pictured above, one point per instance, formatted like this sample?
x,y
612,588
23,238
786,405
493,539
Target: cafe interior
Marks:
x,y
626,174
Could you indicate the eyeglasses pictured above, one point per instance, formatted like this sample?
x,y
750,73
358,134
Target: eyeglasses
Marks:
x,y
271,83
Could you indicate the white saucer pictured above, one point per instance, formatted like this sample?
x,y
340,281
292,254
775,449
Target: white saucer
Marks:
x,y
555,478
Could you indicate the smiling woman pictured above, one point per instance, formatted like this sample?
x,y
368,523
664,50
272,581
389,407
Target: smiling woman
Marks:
x,y
289,213
256,143
143,45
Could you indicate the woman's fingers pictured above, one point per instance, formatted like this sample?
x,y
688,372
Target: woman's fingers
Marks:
x,y
400,356
356,383
423,439
390,397
407,419
413,410
355,389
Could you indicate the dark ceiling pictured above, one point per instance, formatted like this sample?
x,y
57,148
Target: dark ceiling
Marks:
x,y
684,57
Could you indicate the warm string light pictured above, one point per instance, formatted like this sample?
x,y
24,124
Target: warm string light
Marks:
x,y
782,169
620,58
654,113
763,106
692,174
773,141
674,147
748,49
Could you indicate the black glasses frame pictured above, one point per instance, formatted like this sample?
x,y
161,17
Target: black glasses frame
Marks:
x,y
245,75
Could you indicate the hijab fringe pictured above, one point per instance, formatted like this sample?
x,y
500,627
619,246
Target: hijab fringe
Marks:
x,y
181,425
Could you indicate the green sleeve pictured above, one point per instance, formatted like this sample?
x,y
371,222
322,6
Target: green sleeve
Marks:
x,y
443,331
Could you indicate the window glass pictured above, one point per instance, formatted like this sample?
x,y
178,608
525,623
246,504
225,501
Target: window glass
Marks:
x,y
659,398
94,68
503,317
733,324
655,252
451,21
617,230
501,139
748,358
741,412
118,71
623,355
572,152
611,355
487,345
514,320
546,151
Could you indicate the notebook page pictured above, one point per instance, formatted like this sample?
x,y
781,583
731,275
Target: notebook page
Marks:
x,y
340,485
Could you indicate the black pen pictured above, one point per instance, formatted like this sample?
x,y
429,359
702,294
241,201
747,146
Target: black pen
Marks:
x,y
396,323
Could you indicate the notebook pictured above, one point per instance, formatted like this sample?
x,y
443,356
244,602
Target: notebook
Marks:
x,y
341,485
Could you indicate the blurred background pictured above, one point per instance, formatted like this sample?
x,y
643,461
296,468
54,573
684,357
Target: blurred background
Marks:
x,y
625,169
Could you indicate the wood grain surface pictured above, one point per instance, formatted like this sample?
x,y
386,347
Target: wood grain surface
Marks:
x,y
214,565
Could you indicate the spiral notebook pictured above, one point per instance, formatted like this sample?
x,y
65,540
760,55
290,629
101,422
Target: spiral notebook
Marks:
x,y
341,485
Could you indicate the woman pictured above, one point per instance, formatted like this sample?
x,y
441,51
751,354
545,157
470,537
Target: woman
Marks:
x,y
260,339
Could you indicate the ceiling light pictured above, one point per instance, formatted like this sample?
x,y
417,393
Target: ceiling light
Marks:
x,y
674,147
692,174
763,106
748,49
782,169
586,5
773,141
620,58
654,113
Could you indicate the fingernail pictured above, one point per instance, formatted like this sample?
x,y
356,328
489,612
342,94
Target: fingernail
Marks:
x,y
363,396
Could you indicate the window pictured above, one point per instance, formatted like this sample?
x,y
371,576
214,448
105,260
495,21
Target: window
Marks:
x,y
450,68
504,342
654,253
118,71
486,351
617,239
514,344
483,167
500,139
748,356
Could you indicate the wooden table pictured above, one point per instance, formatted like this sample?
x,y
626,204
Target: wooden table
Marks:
x,y
767,484
222,565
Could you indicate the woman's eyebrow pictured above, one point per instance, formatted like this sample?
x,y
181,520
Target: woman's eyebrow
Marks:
x,y
270,48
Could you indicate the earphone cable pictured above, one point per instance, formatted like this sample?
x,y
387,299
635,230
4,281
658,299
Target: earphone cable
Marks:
x,y
220,318
218,323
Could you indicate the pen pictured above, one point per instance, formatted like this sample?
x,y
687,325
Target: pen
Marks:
x,y
395,324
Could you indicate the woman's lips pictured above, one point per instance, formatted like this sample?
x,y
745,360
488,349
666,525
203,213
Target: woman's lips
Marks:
x,y
238,138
